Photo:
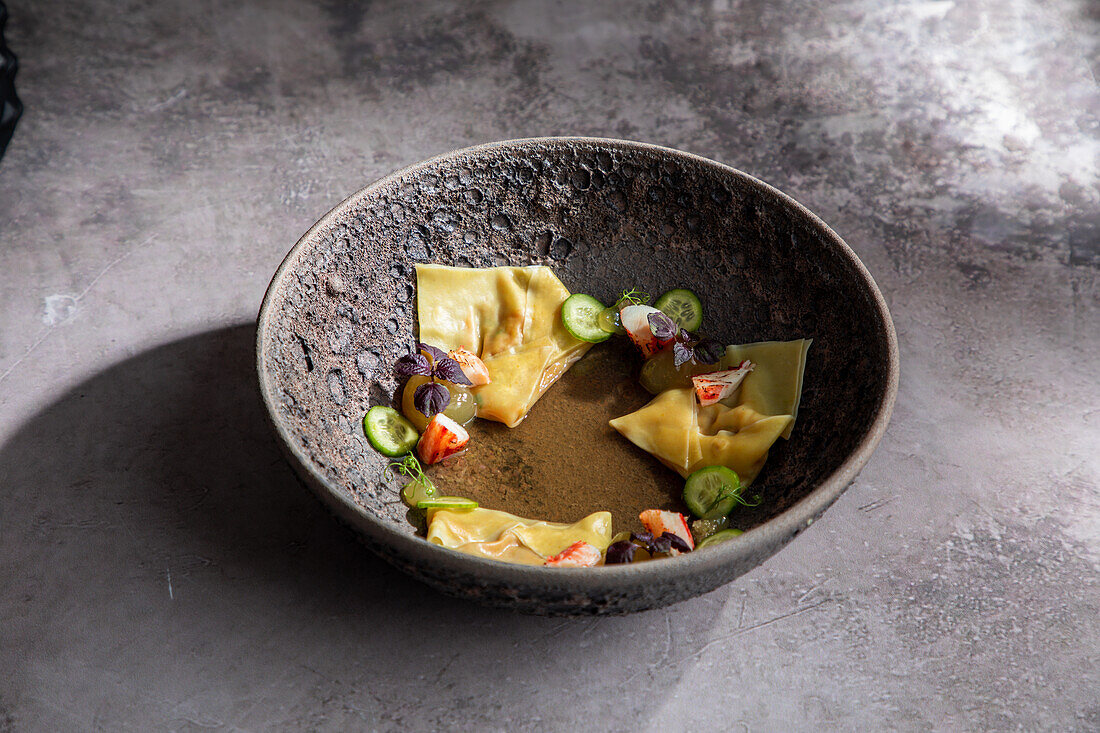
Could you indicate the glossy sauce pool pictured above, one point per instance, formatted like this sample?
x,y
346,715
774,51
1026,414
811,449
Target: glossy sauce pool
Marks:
x,y
564,461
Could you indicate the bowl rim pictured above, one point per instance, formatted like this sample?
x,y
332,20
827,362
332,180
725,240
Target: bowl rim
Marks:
x,y
767,537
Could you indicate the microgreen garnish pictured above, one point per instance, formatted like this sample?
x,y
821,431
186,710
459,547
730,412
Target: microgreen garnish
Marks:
x,y
660,544
433,352
691,347
681,353
411,364
663,327
623,550
430,398
677,542
620,552
410,467
663,543
633,297
734,492
449,369
432,362
709,351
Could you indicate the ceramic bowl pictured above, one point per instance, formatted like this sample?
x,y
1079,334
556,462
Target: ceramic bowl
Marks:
x,y
604,214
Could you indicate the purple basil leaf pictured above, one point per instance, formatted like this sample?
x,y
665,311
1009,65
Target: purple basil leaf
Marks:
x,y
660,544
620,552
449,369
662,326
411,364
680,354
642,537
677,542
709,351
432,351
430,398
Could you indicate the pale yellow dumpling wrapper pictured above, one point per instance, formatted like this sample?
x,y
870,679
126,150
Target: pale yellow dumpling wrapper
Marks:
x,y
508,316
663,427
744,450
502,536
686,437
774,387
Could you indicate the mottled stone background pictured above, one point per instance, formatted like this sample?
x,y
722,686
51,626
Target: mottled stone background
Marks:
x,y
161,568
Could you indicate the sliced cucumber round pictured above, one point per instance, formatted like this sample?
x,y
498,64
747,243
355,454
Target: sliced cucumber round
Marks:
x,y
714,539
712,492
389,432
446,502
580,314
682,306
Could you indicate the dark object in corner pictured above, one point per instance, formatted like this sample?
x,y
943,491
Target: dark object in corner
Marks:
x,y
10,106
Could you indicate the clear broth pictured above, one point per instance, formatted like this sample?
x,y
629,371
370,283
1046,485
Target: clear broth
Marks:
x,y
564,461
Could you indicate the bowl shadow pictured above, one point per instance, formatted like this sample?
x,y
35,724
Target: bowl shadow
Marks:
x,y
152,531
171,448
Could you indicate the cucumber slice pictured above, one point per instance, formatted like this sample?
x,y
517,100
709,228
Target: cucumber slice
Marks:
x,y
682,306
389,432
714,539
580,314
712,492
446,502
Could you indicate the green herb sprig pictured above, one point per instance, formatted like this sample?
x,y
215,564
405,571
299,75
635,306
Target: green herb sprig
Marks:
x,y
633,297
737,497
410,468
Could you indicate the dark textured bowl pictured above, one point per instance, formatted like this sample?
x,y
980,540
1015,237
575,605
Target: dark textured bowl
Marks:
x,y
602,213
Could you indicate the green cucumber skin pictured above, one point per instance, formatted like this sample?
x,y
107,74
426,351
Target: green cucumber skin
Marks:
x,y
392,449
576,322
682,295
443,504
693,495
723,535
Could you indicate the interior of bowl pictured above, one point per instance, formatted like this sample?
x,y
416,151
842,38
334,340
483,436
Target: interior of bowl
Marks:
x,y
606,216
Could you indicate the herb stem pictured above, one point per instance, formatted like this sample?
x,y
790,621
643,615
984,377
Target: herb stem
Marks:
x,y
633,297
410,467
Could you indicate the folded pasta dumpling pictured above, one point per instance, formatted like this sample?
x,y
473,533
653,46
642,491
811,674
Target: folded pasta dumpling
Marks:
x,y
508,316
774,387
503,536
664,428
686,436
743,448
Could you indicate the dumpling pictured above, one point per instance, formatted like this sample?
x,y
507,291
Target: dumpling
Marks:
x,y
736,437
508,316
503,536
663,427
774,387
686,437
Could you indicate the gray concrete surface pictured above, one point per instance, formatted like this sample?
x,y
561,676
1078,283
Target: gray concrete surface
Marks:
x,y
160,568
